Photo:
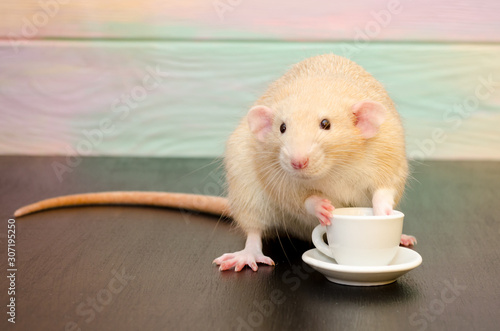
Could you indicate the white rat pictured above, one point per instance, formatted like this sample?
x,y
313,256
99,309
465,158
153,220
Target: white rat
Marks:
x,y
324,135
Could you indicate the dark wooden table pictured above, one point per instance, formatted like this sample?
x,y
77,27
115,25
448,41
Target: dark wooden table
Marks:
x,y
141,268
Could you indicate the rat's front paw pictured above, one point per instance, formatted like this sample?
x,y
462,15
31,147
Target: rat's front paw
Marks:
x,y
382,209
408,240
321,208
240,259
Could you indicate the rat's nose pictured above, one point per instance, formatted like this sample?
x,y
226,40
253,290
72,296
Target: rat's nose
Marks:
x,y
298,164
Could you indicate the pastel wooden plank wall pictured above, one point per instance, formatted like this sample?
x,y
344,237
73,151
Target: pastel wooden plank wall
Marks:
x,y
312,20
173,78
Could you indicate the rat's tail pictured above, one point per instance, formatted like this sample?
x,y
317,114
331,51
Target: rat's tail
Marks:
x,y
202,203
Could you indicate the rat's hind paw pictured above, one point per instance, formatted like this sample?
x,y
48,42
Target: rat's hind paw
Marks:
x,y
240,259
408,240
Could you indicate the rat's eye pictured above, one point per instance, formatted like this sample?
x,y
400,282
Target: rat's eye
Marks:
x,y
325,124
283,128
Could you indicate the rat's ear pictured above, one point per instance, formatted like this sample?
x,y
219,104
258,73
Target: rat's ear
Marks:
x,y
369,116
260,121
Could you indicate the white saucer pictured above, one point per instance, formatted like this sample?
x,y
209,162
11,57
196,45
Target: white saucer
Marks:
x,y
405,260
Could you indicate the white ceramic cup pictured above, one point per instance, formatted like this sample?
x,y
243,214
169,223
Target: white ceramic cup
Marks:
x,y
357,237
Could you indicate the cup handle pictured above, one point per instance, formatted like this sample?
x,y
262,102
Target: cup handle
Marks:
x,y
317,238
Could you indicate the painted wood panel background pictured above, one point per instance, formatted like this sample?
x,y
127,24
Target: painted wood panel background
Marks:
x,y
173,78
198,91
317,20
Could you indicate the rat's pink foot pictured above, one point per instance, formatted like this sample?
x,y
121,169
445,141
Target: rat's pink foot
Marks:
x,y
321,208
408,240
250,255
240,259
